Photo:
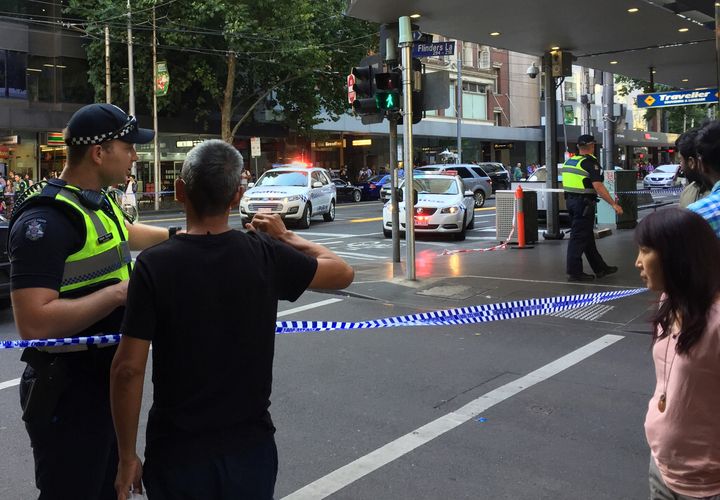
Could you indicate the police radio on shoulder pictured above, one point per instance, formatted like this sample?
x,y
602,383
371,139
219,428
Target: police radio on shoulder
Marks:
x,y
173,230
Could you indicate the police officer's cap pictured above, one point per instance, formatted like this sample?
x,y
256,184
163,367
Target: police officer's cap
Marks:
x,y
98,123
585,139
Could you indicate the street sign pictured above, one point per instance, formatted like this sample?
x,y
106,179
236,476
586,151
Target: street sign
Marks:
x,y
435,49
677,98
255,147
350,86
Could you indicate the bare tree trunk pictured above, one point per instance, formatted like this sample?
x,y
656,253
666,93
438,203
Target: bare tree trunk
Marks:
x,y
227,108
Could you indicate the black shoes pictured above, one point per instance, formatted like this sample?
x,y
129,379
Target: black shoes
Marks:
x,y
581,277
606,271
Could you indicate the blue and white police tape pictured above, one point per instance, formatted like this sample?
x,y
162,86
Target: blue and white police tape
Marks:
x,y
458,316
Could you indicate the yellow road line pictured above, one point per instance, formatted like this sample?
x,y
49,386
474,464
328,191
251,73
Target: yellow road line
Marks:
x,y
484,209
371,219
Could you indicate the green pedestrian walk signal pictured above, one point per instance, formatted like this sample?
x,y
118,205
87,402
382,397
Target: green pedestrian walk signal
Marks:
x,y
387,91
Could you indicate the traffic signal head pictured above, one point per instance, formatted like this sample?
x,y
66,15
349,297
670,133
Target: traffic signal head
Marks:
x,y
363,81
387,91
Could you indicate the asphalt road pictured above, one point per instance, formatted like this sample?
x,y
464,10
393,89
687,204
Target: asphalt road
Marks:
x,y
542,407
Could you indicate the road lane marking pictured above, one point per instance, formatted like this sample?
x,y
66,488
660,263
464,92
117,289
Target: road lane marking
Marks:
x,y
361,256
484,209
370,219
9,383
344,476
306,307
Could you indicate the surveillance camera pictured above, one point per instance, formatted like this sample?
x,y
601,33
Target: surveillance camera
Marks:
x,y
533,71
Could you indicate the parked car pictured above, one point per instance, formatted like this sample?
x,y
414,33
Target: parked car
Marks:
x,y
346,191
664,176
498,174
4,260
371,188
472,176
443,206
295,193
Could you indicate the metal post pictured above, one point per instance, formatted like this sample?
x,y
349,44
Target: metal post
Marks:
x,y
458,100
156,145
406,42
108,93
391,61
394,183
608,122
585,108
553,213
131,73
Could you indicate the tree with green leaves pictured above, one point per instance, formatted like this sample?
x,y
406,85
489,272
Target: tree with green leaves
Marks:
x,y
232,56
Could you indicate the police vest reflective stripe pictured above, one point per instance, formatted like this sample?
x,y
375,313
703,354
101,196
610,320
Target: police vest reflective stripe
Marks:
x,y
105,255
573,175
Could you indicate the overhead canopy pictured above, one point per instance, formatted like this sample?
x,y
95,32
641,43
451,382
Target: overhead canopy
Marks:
x,y
602,34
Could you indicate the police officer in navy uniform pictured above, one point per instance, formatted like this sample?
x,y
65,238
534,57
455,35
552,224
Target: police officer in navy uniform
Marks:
x,y
582,180
69,249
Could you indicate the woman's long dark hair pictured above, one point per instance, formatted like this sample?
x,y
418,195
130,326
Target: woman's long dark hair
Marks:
x,y
689,251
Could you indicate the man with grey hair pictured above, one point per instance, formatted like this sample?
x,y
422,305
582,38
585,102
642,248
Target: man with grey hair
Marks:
x,y
209,432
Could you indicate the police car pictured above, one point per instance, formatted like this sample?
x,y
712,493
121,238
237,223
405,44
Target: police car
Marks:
x,y
442,206
295,192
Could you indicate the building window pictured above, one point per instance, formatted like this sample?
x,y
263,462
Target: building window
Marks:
x,y
13,80
497,118
73,76
484,58
468,54
498,85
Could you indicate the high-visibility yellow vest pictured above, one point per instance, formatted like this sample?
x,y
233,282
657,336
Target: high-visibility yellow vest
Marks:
x,y
573,175
105,255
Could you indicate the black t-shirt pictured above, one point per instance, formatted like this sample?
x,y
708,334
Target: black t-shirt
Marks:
x,y
40,240
209,305
592,167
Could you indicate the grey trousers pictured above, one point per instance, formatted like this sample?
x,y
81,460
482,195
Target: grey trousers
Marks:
x,y
660,491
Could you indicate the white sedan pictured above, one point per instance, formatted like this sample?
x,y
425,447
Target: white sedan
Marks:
x,y
442,207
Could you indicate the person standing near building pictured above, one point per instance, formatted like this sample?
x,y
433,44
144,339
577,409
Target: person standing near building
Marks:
x,y
698,186
129,197
209,433
707,144
517,172
69,250
582,181
681,423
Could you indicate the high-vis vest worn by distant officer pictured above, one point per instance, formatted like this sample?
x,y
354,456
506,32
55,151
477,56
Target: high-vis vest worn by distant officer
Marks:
x,y
105,255
573,175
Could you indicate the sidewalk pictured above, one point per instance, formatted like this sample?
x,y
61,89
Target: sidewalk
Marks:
x,y
505,275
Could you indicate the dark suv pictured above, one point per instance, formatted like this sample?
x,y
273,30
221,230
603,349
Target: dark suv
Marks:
x,y
498,174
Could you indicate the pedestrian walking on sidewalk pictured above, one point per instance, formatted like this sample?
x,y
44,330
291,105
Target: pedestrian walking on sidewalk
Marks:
x,y
707,144
582,180
677,257
209,433
70,253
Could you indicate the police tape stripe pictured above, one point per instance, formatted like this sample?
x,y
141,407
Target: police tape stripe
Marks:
x,y
457,316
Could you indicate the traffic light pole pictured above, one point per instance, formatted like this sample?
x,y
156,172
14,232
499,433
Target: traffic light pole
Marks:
x,y
394,182
406,43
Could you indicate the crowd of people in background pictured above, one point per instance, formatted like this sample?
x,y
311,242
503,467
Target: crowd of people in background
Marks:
x,y
11,185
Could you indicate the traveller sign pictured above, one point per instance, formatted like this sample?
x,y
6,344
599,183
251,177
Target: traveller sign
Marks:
x,y
677,98
435,49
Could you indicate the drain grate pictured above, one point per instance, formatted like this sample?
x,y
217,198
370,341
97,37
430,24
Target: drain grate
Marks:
x,y
587,313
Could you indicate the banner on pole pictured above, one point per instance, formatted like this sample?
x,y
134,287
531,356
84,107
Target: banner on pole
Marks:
x,y
162,79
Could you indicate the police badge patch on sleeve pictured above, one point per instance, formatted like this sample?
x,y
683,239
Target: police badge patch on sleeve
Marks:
x,y
35,229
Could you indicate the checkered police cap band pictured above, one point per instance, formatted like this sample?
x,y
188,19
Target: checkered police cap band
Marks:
x,y
128,127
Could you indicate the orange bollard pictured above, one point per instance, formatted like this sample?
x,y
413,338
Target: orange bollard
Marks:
x,y
520,220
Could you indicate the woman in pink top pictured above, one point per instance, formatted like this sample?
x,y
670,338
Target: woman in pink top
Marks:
x,y
678,257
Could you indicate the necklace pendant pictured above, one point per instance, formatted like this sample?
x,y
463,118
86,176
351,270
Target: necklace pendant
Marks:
x,y
662,403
